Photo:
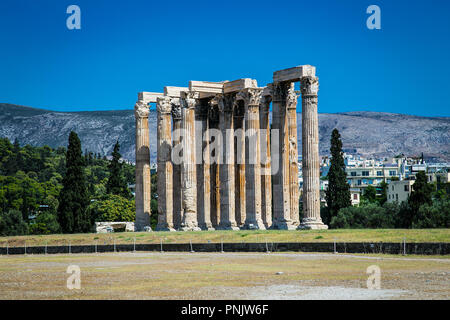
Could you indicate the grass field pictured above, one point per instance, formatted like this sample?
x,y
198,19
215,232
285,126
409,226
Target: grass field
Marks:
x,y
341,235
223,276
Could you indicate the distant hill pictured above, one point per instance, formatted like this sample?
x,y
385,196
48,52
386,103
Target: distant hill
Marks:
x,y
366,133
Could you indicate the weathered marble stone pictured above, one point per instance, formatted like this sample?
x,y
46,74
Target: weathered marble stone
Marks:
x,y
164,165
233,167
105,227
310,137
143,182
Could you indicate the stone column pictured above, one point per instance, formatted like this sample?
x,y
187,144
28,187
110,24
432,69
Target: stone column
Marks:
x,y
203,168
310,137
177,198
226,171
143,182
188,167
293,155
252,99
239,156
281,190
213,115
164,162
266,178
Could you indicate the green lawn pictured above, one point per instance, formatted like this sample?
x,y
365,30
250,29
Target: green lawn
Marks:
x,y
341,235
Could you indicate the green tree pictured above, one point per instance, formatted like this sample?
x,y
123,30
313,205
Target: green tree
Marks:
x,y
383,198
73,198
12,224
112,208
45,223
338,192
370,194
436,215
421,193
116,183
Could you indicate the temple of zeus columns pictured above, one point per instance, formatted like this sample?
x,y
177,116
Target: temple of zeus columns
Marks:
x,y
223,163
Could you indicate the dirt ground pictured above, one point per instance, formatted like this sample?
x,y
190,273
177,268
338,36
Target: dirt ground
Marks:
x,y
224,276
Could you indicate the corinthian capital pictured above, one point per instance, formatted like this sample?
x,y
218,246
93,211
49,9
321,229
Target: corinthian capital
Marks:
x,y
164,105
226,102
189,99
251,96
309,85
280,91
176,109
141,109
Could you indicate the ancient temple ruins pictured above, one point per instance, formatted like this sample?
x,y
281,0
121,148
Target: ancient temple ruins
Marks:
x,y
222,164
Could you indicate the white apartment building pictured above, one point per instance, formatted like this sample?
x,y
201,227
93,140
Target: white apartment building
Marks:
x,y
399,191
364,176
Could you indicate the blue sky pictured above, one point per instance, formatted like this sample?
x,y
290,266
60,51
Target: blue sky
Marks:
x,y
128,46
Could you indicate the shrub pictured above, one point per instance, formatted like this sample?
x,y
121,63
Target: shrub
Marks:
x,y
45,223
12,223
369,216
112,208
436,215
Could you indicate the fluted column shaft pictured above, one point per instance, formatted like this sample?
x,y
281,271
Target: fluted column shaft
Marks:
x,y
239,156
164,163
293,156
252,98
226,171
214,148
188,168
177,197
266,178
310,138
203,169
281,190
143,181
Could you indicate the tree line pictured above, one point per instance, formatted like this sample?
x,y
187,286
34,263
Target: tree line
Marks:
x,y
45,190
427,207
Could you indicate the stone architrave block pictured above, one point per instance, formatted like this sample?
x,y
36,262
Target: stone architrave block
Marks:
x,y
174,92
238,85
149,97
294,74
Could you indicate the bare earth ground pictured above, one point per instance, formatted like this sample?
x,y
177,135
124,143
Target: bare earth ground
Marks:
x,y
224,276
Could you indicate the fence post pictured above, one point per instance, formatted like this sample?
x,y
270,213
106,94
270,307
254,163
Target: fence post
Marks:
x,y
134,245
95,246
46,247
404,246
335,246
7,247
267,248
160,241
221,245
192,250
114,244
25,248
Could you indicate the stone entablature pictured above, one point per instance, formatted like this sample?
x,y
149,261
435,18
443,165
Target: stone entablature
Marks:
x,y
223,177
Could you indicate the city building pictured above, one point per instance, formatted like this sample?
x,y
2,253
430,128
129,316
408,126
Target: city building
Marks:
x,y
399,191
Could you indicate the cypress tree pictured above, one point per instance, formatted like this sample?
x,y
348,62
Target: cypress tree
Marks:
x,y
73,198
421,193
338,192
116,183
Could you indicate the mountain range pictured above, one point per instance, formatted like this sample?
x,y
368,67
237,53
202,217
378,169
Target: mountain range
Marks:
x,y
370,134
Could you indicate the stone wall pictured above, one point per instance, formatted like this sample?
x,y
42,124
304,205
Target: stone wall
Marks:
x,y
430,248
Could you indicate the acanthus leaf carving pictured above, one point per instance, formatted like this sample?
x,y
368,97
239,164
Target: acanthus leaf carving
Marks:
x,y
141,109
164,105
309,85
